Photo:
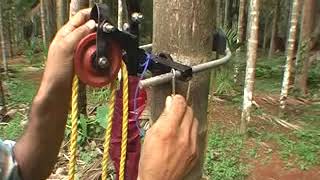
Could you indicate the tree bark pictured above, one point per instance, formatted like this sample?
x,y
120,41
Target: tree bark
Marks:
x,y
61,13
251,64
184,29
241,21
218,14
43,23
290,54
305,43
75,6
265,34
3,44
226,13
275,18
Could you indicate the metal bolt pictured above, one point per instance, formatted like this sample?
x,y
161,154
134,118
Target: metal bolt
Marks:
x,y
103,62
108,28
137,17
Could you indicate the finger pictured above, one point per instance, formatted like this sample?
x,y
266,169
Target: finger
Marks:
x,y
76,21
79,33
194,135
173,112
186,124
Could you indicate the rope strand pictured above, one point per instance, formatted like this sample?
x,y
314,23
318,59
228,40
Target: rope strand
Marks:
x,y
74,128
106,144
125,114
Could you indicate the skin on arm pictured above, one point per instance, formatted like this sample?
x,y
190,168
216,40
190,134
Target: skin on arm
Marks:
x,y
36,151
170,149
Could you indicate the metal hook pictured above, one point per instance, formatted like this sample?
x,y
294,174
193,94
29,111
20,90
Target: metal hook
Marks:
x,y
173,82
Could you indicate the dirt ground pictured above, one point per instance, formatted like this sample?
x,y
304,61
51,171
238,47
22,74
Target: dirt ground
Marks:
x,y
262,167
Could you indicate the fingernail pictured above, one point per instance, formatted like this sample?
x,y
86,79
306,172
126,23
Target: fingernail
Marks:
x,y
91,24
168,102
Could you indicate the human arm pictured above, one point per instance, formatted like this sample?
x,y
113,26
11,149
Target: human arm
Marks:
x,y
36,151
170,148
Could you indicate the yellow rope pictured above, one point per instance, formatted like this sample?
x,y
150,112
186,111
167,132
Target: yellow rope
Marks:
x,y
106,145
108,132
74,128
125,114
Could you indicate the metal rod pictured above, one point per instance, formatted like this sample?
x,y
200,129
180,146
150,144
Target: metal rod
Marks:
x,y
146,47
164,78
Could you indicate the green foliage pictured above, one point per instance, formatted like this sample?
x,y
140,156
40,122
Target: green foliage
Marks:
x,y
223,156
101,116
224,82
12,130
303,148
90,127
232,39
21,91
98,96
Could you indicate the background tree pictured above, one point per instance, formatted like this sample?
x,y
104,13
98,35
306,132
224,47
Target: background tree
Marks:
x,y
75,6
3,43
185,32
275,18
241,21
62,9
251,64
43,23
305,45
290,54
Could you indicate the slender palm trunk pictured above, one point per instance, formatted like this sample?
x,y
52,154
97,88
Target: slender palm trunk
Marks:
x,y
61,13
226,13
75,6
290,54
305,42
275,18
3,44
218,14
251,64
241,21
43,23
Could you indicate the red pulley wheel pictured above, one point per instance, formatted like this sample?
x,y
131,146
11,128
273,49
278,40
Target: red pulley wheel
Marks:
x,y
83,62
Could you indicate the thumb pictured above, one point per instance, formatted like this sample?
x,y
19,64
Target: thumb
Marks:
x,y
75,36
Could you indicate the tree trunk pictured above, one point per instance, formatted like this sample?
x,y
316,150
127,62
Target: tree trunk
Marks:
x,y
43,23
120,14
241,21
275,17
51,18
75,6
265,34
290,54
226,13
3,44
61,13
251,64
184,29
218,14
305,45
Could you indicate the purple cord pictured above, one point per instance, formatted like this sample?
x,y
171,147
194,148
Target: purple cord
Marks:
x,y
146,64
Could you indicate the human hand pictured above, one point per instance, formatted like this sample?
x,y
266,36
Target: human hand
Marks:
x,y
59,67
170,148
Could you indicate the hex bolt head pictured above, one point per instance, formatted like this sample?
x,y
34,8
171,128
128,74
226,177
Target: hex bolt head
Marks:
x,y
137,17
103,62
108,28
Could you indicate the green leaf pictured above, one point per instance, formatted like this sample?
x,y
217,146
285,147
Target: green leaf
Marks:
x,y
102,116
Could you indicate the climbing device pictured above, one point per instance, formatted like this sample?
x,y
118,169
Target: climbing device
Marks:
x,y
98,59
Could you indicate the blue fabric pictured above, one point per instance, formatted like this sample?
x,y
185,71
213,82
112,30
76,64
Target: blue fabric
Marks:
x,y
8,165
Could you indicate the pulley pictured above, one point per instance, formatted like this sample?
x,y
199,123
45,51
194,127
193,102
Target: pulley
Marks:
x,y
97,70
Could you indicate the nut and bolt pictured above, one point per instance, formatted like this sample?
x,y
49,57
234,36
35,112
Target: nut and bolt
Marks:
x,y
108,28
137,17
103,62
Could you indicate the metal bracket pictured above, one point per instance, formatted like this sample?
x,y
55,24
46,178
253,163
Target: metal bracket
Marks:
x,y
164,63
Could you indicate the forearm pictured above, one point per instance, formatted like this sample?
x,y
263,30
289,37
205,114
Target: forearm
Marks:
x,y
37,150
